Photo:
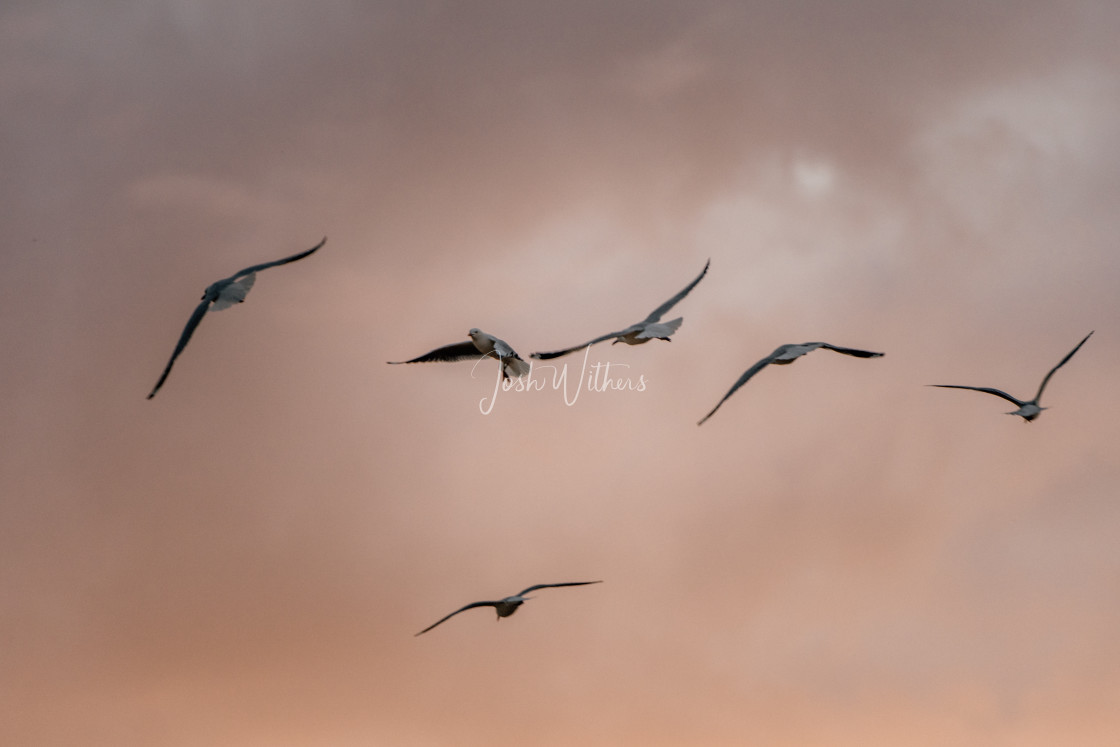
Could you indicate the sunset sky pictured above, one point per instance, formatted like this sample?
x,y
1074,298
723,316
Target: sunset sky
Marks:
x,y
841,556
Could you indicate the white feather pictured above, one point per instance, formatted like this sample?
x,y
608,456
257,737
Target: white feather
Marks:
x,y
233,293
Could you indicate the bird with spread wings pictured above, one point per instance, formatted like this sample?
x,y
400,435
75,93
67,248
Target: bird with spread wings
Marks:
x,y
481,345
507,606
784,355
221,294
1028,409
650,328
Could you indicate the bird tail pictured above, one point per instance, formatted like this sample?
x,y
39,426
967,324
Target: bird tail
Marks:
x,y
515,367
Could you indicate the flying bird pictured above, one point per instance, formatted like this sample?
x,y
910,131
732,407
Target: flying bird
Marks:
x,y
481,345
784,355
1028,409
648,329
505,607
221,294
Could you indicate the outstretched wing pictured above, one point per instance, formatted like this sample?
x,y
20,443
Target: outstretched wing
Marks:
x,y
1062,363
742,380
663,308
852,351
457,352
549,586
286,260
565,351
196,317
986,390
445,618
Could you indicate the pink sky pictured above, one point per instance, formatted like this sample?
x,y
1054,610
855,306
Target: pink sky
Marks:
x,y
840,556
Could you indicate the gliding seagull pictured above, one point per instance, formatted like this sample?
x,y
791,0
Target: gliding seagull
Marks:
x,y
784,355
221,294
649,328
505,607
481,345
1028,409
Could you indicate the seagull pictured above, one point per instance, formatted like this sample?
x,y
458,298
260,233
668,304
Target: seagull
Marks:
x,y
784,355
481,345
649,328
505,607
221,294
1028,409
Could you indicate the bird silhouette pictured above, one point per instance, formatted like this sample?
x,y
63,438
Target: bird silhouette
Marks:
x,y
507,606
784,355
221,294
1028,409
650,328
481,345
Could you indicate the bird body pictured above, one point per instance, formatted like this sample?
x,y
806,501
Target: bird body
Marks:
x,y
508,605
650,328
225,293
783,355
481,345
221,294
1028,409
641,332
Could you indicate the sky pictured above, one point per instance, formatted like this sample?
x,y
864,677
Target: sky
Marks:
x,y
840,556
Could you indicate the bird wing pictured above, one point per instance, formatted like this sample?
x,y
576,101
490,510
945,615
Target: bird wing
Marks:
x,y
742,380
565,351
851,351
196,317
549,586
986,389
1062,363
456,352
651,331
445,618
663,308
275,262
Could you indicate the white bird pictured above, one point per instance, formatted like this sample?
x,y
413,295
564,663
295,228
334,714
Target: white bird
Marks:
x,y
221,294
505,607
648,329
1028,409
784,355
480,346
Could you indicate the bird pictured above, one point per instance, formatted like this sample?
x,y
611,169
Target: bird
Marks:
x,y
782,356
480,346
221,294
1028,409
505,607
648,329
